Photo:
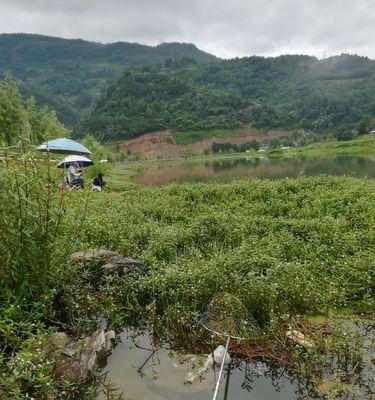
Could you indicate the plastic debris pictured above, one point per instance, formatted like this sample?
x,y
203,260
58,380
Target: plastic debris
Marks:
x,y
219,355
191,376
298,337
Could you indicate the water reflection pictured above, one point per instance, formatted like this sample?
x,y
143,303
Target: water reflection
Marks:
x,y
225,170
142,373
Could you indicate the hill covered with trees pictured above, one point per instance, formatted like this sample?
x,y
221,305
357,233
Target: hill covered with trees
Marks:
x,y
71,75
334,95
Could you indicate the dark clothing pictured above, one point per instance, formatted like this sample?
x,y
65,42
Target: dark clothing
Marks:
x,y
98,181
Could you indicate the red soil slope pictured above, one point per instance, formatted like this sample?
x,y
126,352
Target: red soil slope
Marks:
x,y
152,145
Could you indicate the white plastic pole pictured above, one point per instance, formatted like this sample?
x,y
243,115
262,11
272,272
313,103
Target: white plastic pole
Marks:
x,y
221,370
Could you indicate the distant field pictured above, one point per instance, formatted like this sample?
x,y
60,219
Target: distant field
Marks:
x,y
183,138
364,145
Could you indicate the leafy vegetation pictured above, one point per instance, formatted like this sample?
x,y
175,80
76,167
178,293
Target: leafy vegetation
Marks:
x,y
334,95
70,75
310,233
196,136
362,146
20,119
313,236
232,147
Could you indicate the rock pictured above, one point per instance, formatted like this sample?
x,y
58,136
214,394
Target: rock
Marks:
x,y
59,340
78,358
110,340
68,368
93,346
73,349
93,255
124,265
56,341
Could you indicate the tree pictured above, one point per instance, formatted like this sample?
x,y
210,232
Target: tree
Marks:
x,y
345,135
18,116
12,111
365,125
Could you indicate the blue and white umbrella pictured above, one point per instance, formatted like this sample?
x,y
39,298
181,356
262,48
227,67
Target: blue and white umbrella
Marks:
x,y
64,146
80,160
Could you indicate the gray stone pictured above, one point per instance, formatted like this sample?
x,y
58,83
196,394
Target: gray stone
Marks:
x,y
110,339
73,349
68,368
78,358
93,255
124,265
93,346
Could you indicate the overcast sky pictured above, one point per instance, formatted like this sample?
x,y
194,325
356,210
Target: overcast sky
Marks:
x,y
226,28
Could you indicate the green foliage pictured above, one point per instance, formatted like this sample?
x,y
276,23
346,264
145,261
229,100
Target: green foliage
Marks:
x,y
22,118
12,113
286,92
232,147
147,99
71,75
345,135
195,136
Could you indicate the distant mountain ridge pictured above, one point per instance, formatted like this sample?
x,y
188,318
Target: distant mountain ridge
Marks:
x,y
72,74
122,90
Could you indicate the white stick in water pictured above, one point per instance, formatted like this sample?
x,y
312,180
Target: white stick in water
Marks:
x,y
221,370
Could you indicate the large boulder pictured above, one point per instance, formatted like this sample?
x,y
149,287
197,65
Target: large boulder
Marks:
x,y
78,358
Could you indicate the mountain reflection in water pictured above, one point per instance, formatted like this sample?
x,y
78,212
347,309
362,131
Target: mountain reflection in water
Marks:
x,y
227,169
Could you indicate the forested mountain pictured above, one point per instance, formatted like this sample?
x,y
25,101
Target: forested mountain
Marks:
x,y
71,75
287,92
122,90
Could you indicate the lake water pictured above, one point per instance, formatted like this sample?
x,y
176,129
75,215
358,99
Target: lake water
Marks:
x,y
227,169
161,377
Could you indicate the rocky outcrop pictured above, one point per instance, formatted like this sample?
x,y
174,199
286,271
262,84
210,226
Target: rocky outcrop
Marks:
x,y
93,255
124,265
78,358
106,261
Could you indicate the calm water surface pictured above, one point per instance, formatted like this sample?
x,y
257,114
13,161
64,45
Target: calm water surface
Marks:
x,y
227,169
162,377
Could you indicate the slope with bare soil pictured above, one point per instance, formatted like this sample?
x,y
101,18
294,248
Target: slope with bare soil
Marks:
x,y
162,144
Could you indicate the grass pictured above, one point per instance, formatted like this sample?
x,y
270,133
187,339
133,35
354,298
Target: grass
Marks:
x,y
184,138
362,146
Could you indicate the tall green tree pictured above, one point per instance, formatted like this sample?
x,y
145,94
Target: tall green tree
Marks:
x,y
12,111
23,118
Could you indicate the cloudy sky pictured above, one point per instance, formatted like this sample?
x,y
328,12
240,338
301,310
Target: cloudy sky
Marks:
x,y
227,28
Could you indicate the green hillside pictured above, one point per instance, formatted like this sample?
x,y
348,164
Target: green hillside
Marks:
x,y
71,75
287,92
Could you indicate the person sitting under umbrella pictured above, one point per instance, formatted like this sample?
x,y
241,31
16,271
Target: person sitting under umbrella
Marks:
x,y
98,183
74,175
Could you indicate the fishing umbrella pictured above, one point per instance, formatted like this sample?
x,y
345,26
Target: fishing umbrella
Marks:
x,y
64,146
80,160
